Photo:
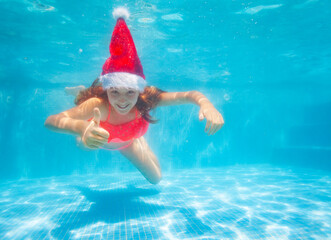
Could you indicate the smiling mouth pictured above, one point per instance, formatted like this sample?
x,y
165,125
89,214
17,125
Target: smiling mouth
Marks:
x,y
120,107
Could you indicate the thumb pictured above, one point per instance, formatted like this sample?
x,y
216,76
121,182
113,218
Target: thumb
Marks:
x,y
97,116
201,116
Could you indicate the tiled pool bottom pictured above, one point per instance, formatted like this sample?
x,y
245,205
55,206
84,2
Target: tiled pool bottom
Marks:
x,y
240,202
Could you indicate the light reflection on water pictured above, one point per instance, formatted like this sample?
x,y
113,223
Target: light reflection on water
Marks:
x,y
240,202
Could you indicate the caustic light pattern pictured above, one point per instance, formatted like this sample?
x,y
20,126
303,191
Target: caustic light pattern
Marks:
x,y
241,202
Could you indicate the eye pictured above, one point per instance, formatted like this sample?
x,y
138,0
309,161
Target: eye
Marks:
x,y
114,92
130,92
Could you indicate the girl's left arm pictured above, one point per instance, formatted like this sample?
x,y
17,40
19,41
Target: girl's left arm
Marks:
x,y
207,110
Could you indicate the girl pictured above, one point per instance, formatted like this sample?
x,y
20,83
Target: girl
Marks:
x,y
114,112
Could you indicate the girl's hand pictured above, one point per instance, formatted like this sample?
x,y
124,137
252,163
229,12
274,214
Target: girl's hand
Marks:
x,y
214,118
74,90
94,136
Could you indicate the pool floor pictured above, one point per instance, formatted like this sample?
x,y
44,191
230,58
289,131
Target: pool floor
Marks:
x,y
237,202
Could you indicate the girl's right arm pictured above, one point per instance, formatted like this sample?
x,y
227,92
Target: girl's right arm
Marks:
x,y
74,120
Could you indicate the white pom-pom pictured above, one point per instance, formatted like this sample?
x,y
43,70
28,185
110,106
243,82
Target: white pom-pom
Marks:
x,y
121,12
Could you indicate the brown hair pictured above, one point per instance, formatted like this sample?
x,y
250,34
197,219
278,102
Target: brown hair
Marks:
x,y
147,100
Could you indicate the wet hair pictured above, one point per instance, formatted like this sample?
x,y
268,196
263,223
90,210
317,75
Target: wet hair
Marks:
x,y
147,100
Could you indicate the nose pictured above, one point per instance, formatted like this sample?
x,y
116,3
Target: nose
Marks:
x,y
122,99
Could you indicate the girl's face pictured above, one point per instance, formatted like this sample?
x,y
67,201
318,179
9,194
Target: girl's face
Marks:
x,y
122,99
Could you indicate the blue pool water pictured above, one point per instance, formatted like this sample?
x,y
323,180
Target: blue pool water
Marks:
x,y
265,65
240,202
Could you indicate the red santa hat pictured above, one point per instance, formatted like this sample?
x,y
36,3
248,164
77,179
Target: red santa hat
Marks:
x,y
123,67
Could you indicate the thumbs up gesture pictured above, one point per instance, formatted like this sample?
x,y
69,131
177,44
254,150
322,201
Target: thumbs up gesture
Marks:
x,y
94,136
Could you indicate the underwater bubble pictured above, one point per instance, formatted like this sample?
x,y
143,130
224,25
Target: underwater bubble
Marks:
x,y
146,20
61,42
257,9
225,73
66,18
174,50
25,60
290,54
9,99
40,7
173,17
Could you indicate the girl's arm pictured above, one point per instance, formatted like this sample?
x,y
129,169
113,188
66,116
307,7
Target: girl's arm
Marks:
x,y
74,121
207,110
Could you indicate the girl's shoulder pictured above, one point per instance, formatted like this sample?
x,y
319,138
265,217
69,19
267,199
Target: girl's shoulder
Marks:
x,y
95,101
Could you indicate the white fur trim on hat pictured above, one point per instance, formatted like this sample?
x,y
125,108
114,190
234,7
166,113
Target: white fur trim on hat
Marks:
x,y
123,79
121,12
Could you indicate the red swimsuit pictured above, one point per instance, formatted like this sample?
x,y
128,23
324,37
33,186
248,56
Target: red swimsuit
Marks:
x,y
126,131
